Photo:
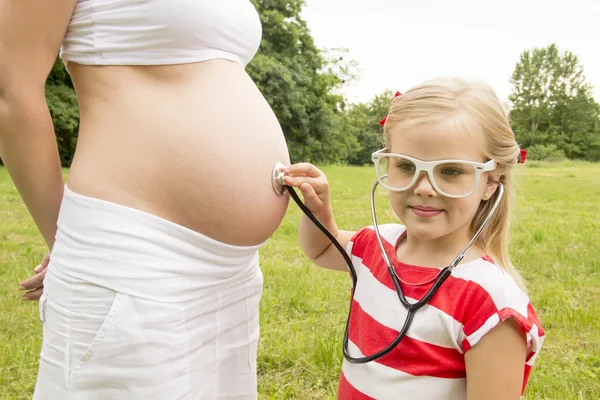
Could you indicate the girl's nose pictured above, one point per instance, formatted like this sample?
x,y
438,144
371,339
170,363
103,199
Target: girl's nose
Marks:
x,y
423,186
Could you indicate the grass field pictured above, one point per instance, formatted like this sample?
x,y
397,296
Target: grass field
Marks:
x,y
555,244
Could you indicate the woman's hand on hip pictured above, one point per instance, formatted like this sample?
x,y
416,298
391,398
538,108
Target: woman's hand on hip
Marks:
x,y
34,286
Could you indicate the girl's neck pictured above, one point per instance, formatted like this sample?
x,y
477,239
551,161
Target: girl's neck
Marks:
x,y
436,253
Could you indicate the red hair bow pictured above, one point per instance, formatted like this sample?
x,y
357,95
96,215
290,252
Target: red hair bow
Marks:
x,y
382,122
522,156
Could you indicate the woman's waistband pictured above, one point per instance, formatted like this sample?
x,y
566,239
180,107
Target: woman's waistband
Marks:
x,y
141,254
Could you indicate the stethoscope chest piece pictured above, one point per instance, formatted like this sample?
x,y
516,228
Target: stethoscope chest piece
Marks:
x,y
277,179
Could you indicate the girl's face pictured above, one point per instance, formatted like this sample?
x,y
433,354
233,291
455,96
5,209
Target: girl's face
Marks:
x,y
427,214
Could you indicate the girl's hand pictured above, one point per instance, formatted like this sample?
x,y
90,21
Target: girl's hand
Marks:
x,y
313,184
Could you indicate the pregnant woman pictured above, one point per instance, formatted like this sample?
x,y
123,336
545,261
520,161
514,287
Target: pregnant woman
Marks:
x,y
154,283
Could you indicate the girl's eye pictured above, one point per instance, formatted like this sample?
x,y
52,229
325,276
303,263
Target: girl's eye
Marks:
x,y
405,167
451,171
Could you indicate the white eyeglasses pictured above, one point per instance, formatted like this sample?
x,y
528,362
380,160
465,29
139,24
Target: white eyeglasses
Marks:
x,y
451,178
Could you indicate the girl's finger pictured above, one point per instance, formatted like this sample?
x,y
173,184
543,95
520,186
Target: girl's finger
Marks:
x,y
310,196
303,169
318,185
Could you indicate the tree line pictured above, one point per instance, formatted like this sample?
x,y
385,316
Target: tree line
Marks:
x,y
552,110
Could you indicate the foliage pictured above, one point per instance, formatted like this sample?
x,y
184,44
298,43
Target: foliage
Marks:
x,y
363,124
545,152
63,107
552,104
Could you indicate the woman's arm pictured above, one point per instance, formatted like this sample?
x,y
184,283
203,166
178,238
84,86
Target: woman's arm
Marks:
x,y
313,184
31,32
495,365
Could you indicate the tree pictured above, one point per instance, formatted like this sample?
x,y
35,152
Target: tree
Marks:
x,y
552,104
362,122
64,110
300,84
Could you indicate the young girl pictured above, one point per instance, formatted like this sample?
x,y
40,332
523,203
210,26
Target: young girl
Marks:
x,y
449,148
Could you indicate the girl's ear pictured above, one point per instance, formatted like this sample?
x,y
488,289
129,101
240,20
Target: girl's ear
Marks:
x,y
493,180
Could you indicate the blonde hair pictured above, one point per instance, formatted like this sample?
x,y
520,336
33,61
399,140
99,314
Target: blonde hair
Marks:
x,y
474,106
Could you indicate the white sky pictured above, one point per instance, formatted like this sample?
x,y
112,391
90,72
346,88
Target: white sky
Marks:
x,y
399,43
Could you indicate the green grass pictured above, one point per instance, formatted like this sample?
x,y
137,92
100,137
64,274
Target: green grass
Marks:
x,y
555,244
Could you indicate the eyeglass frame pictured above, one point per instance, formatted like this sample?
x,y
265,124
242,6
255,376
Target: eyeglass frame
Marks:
x,y
428,166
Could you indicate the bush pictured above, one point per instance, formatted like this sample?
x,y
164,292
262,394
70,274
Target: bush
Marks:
x,y
545,152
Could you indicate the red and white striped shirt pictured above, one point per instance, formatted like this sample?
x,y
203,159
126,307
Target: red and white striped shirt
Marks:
x,y
429,363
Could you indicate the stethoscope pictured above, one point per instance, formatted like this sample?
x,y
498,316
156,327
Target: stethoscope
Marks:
x,y
279,187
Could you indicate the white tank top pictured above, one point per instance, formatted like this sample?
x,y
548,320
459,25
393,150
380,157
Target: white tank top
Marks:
x,y
152,32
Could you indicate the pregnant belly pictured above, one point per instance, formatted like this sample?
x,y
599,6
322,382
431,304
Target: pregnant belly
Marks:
x,y
199,154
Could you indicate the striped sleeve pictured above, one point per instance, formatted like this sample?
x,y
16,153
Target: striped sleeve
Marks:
x,y
504,300
358,242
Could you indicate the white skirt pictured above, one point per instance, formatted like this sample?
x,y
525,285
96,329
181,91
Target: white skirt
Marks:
x,y
138,307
